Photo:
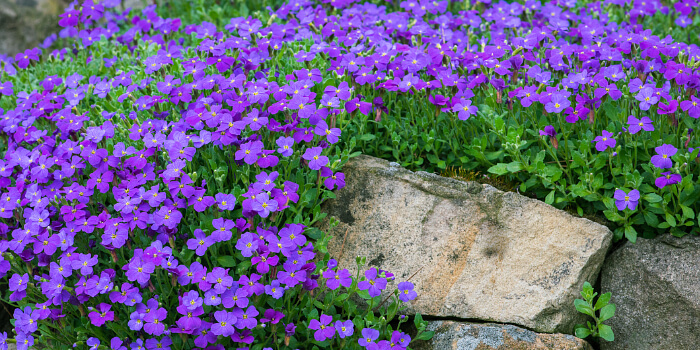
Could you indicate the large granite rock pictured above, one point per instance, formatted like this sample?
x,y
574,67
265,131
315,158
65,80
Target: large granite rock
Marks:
x,y
655,285
476,252
473,336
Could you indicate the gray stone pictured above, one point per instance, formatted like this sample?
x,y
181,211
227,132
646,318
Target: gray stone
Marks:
x,y
472,251
490,336
655,285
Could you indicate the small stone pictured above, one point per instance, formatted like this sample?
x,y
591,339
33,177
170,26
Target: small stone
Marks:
x,y
476,336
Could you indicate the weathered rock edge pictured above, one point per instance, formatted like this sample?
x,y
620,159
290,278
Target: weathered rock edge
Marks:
x,y
450,335
474,252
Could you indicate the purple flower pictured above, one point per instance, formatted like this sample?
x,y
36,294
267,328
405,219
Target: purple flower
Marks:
x,y
225,201
662,159
174,169
464,109
250,152
247,244
323,329
635,125
334,280
264,181
557,103
153,318
646,98
331,134
18,285
274,289
220,279
285,146
192,300
528,95
222,229
609,89
200,243
263,205
332,180
356,103
373,285
316,160
667,179
101,314
605,141
84,263
224,323
406,292
369,335
548,131
626,200
344,329
246,318
6,88
69,18
400,339
290,329
140,271
272,316
692,106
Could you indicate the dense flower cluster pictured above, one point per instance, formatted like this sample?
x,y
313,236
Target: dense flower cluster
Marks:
x,y
107,197
159,178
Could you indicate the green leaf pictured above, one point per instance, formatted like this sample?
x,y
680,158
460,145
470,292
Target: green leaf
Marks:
x,y
671,220
606,312
652,198
514,167
578,159
550,198
587,291
226,261
651,219
602,301
433,159
367,137
364,294
499,169
427,335
583,307
582,332
613,215
243,266
606,332
418,321
687,212
631,234
314,233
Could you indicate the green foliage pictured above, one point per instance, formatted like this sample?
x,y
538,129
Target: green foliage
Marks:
x,y
600,311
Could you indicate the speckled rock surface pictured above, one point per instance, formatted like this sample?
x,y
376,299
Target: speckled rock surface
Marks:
x,y
476,252
655,285
489,336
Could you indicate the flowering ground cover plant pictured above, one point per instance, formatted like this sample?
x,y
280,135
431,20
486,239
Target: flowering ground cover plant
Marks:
x,y
159,187
590,106
162,169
